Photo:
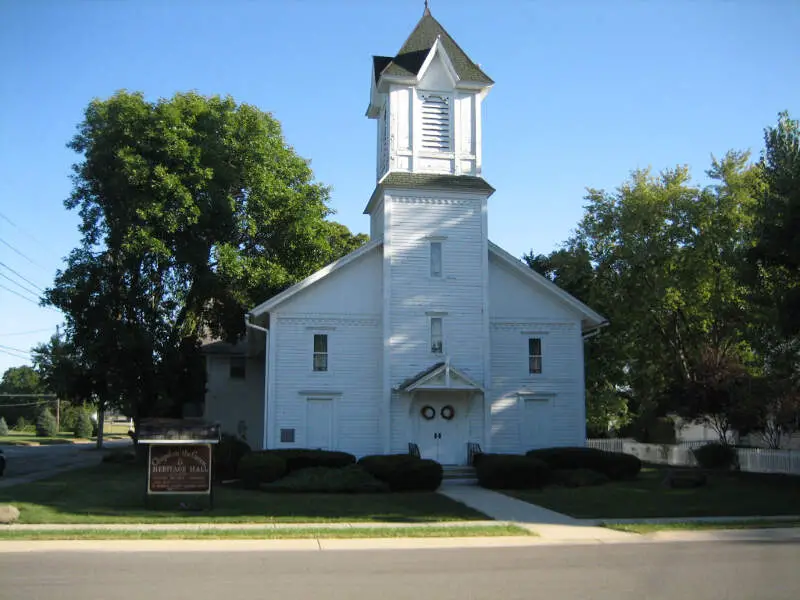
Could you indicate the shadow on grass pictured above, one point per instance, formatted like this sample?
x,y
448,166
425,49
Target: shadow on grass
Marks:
x,y
115,493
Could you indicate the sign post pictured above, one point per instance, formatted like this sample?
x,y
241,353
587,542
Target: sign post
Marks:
x,y
179,457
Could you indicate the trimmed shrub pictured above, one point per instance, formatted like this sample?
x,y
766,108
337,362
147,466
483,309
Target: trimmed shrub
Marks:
x,y
573,478
404,472
46,425
260,467
3,426
227,454
716,456
614,465
82,427
511,472
351,479
301,458
120,456
21,424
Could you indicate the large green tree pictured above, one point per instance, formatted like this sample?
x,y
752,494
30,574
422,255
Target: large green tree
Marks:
x,y
660,257
192,209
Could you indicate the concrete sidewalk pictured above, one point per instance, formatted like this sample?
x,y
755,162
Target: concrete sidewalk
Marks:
x,y
546,523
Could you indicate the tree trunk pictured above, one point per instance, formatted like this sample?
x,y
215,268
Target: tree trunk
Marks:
x,y
101,418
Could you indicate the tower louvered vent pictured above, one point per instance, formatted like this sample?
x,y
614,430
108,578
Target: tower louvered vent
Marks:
x,y
436,123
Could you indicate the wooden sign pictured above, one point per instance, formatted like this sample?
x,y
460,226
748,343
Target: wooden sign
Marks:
x,y
179,469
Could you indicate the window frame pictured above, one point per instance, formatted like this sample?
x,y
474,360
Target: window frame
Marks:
x,y
440,245
533,356
431,320
236,363
320,353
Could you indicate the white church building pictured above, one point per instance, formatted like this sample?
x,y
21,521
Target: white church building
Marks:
x,y
430,336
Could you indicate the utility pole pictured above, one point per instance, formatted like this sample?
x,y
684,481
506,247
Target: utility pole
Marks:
x,y
58,402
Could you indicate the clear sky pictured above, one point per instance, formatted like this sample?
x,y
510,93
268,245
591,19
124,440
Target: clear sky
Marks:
x,y
585,92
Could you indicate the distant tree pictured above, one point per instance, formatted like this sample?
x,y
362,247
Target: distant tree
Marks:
x,y
3,426
192,209
83,425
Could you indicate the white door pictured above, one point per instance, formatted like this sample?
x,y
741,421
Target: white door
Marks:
x,y
319,423
536,423
441,439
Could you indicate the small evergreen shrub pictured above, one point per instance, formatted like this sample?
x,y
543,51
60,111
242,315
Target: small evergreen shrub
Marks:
x,y
614,465
352,479
573,478
404,472
511,472
716,456
227,454
301,458
21,424
69,417
3,426
82,427
256,468
46,425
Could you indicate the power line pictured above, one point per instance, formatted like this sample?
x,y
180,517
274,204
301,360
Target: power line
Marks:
x,y
15,355
8,289
22,254
14,349
19,285
26,332
27,234
21,276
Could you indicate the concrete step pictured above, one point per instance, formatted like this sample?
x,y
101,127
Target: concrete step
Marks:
x,y
457,472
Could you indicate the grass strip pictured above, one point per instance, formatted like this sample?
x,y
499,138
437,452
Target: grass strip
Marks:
x,y
699,526
267,534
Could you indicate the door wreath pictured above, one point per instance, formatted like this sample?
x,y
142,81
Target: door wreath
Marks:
x,y
427,412
448,412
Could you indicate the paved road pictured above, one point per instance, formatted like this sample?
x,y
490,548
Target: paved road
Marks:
x,y
675,571
26,463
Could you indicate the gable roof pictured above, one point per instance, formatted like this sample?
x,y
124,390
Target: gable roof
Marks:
x,y
409,59
591,318
433,181
314,277
422,378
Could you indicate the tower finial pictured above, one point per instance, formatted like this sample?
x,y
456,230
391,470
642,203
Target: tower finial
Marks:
x,y
427,10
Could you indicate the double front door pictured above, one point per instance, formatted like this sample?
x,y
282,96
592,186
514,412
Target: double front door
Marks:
x,y
441,431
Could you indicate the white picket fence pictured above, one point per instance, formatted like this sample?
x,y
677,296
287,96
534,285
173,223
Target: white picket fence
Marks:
x,y
754,460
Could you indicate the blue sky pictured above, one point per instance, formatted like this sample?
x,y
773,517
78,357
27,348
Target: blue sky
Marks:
x,y
585,92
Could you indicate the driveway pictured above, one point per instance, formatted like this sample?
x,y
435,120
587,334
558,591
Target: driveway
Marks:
x,y
28,463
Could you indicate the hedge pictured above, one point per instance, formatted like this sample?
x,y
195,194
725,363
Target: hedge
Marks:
x,y
511,472
614,465
301,458
716,456
260,467
404,472
352,479
227,454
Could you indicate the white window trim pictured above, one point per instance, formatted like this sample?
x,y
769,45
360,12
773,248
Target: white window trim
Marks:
x,y
528,355
431,244
327,334
431,317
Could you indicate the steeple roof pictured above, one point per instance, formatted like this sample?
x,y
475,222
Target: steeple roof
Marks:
x,y
412,55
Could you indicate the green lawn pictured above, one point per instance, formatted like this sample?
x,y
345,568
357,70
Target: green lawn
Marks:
x,y
29,438
270,534
111,493
725,495
700,525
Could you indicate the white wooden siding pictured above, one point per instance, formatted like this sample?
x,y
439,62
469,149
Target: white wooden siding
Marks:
x,y
229,401
415,294
560,382
353,289
353,381
376,222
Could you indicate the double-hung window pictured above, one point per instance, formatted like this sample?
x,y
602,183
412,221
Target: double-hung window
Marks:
x,y
436,259
437,338
320,352
534,355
